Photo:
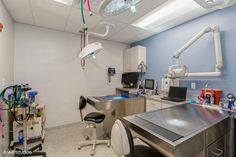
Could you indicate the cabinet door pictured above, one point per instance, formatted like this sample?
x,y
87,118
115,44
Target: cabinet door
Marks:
x,y
217,149
165,105
152,105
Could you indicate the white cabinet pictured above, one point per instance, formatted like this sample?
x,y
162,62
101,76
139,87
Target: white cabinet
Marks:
x,y
133,57
152,105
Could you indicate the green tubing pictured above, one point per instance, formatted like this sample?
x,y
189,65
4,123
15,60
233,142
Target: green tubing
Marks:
x,y
82,12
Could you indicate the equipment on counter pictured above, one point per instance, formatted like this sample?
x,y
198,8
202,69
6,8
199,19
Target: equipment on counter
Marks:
x,y
231,99
110,72
18,98
150,84
211,96
129,80
116,7
179,70
176,94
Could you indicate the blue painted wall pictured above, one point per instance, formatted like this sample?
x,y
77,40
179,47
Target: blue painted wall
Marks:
x,y
200,57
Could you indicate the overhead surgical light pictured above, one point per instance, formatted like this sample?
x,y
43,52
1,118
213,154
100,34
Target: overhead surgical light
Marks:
x,y
90,50
116,7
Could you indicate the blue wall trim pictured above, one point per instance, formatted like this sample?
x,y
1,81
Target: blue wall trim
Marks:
x,y
200,57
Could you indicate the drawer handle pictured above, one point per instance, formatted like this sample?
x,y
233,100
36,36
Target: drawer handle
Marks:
x,y
219,153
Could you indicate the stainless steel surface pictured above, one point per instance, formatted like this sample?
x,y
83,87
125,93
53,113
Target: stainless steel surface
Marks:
x,y
116,107
192,145
219,130
184,119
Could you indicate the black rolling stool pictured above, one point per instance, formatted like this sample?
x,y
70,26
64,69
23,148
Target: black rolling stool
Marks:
x,y
122,143
91,120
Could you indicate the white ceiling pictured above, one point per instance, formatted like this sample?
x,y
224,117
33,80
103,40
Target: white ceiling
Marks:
x,y
54,15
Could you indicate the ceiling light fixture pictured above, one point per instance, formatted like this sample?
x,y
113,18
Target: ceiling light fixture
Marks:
x,y
166,12
66,2
116,7
175,12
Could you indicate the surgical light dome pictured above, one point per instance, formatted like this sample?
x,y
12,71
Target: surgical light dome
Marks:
x,y
116,7
90,50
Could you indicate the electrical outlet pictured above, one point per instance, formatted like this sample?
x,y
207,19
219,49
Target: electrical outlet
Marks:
x,y
193,85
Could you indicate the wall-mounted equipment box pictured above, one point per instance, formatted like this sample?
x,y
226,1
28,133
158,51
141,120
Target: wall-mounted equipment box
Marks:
x,y
134,59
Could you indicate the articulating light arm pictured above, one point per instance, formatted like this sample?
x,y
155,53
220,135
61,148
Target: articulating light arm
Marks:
x,y
98,34
178,70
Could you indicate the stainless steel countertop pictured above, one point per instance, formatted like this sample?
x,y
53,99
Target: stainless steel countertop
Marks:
x,y
186,120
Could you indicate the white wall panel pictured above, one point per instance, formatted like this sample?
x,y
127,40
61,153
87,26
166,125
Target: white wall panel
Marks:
x,y
48,60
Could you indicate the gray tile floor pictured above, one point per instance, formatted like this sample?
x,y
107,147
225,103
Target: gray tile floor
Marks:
x,y
63,142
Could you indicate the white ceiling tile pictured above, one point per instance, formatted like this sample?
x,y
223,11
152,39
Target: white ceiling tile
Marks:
x,y
100,27
141,36
20,10
50,14
75,24
126,34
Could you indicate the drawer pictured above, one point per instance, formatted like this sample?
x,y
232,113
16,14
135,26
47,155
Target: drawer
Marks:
x,y
217,131
152,105
217,149
164,105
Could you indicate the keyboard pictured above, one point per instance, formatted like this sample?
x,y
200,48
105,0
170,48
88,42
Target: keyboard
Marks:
x,y
173,99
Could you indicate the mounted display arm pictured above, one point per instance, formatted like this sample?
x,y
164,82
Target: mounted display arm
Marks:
x,y
178,70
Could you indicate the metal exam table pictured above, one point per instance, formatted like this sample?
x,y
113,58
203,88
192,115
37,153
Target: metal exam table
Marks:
x,y
117,106
186,131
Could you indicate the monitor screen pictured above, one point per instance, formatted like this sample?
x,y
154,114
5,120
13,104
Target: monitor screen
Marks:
x,y
149,84
177,92
130,79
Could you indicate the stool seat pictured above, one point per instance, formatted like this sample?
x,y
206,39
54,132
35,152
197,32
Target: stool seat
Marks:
x,y
95,117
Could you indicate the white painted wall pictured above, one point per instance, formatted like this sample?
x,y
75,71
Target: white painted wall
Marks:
x,y
48,60
6,62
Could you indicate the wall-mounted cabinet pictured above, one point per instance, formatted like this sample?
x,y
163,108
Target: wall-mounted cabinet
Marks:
x,y
133,57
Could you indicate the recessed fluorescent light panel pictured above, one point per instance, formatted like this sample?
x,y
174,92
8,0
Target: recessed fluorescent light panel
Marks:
x,y
66,2
168,12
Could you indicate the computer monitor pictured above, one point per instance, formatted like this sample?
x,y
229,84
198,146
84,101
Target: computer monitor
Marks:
x,y
149,84
177,92
130,80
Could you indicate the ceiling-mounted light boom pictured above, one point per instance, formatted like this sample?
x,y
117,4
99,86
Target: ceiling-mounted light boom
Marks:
x,y
90,50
